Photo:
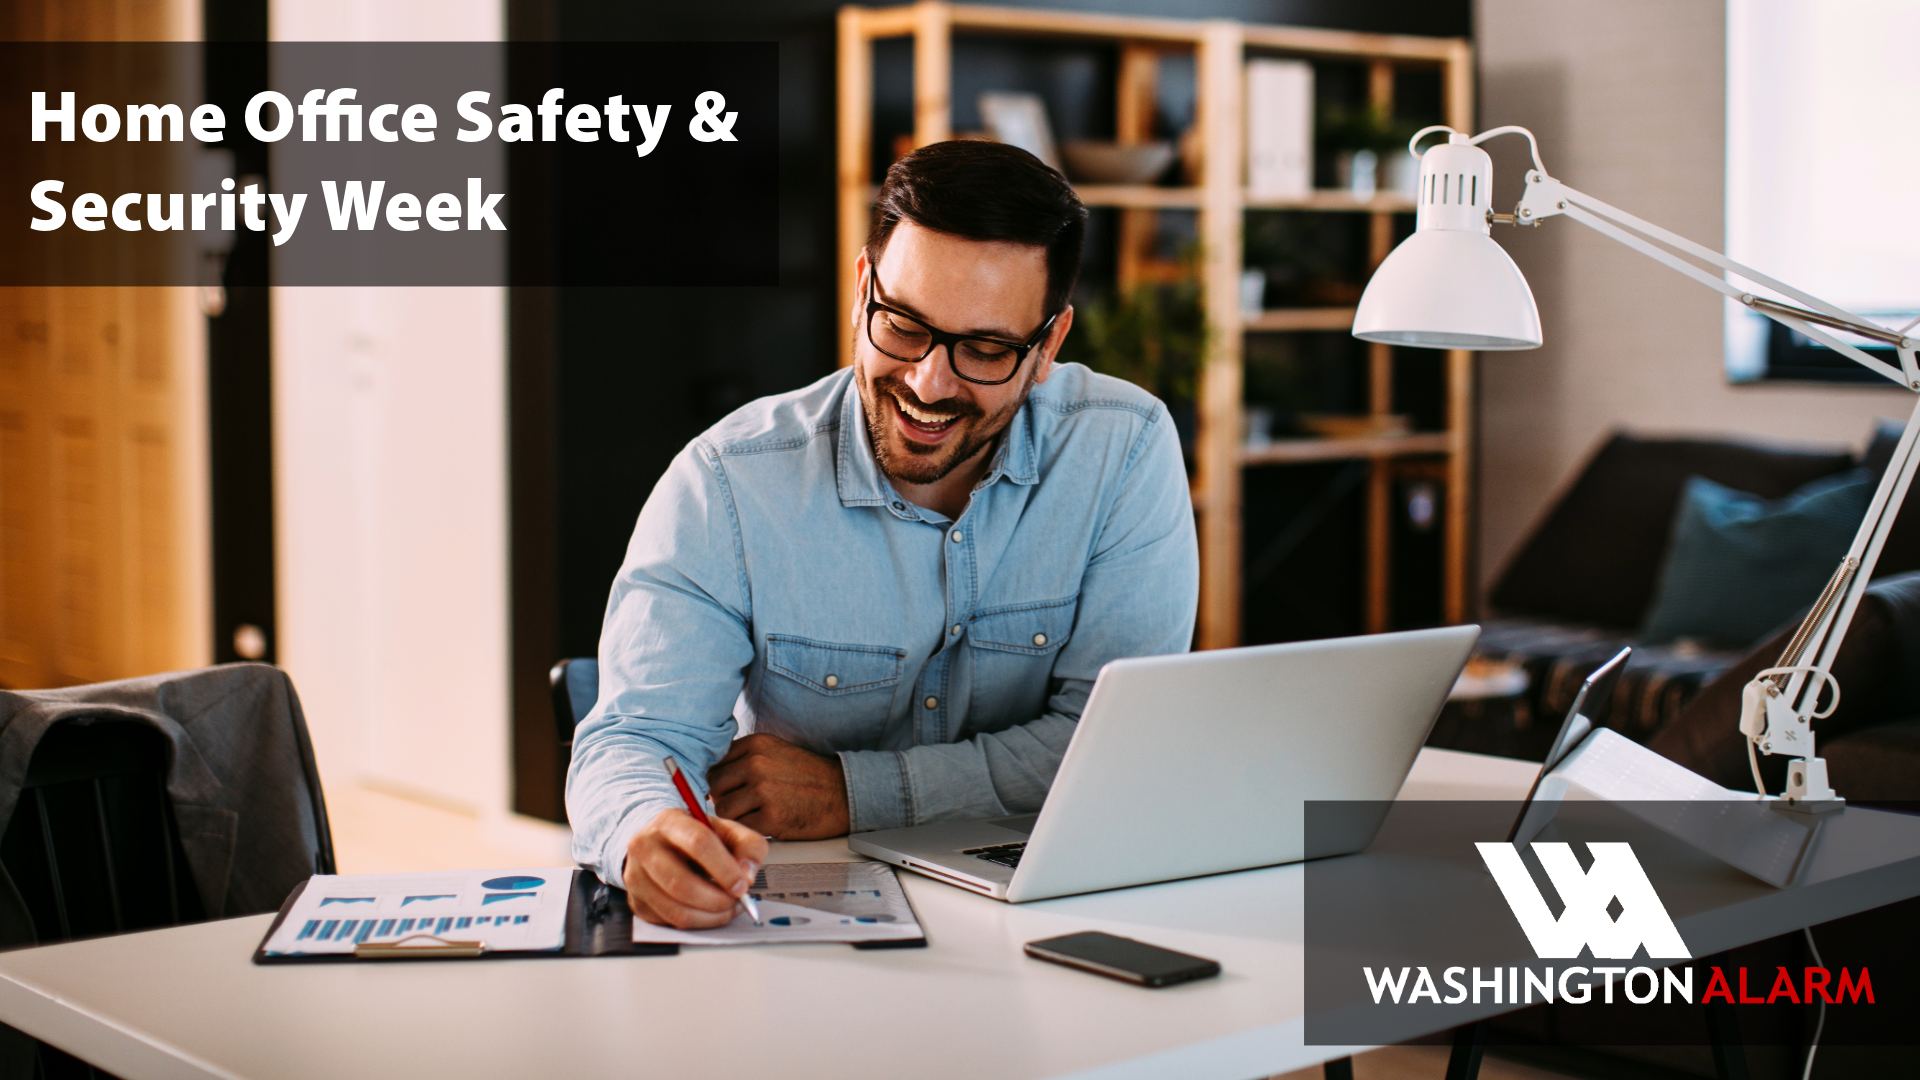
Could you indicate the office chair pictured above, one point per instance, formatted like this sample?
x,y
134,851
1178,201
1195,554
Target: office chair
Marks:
x,y
576,686
92,847
96,842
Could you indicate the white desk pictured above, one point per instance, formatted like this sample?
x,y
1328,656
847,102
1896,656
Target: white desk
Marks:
x,y
187,1001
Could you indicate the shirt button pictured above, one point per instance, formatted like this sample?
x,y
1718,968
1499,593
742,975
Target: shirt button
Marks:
x,y
933,703
1039,639
899,506
956,629
957,537
833,681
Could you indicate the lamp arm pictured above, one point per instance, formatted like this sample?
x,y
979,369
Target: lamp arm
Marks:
x,y
1778,706
1824,631
1546,197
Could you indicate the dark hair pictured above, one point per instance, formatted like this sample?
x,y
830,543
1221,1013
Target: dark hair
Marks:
x,y
986,191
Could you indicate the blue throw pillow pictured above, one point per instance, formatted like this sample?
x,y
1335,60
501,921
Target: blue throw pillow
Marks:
x,y
1738,566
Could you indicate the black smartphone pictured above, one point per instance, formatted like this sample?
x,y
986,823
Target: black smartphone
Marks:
x,y
1123,958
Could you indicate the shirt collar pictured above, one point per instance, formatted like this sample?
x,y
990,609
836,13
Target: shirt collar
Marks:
x,y
1015,457
856,472
858,475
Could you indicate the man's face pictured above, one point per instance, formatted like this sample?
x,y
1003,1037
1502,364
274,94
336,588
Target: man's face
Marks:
x,y
923,419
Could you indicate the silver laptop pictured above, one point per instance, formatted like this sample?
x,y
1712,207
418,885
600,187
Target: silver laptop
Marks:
x,y
1201,763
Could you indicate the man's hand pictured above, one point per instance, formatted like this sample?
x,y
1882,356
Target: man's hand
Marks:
x,y
785,792
680,874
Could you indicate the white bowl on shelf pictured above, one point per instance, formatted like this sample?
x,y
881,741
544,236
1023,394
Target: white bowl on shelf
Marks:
x,y
1094,162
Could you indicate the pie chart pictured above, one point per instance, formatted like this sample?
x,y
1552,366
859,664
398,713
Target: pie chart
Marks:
x,y
513,881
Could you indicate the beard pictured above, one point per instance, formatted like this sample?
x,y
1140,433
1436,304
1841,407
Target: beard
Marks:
x,y
911,462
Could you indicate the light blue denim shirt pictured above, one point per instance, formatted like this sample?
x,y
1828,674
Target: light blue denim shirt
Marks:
x,y
776,582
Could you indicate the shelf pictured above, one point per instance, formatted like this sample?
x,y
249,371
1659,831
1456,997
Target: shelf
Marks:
x,y
1326,318
1285,451
1155,197
1344,43
1314,42
1152,197
1124,196
1335,200
1139,196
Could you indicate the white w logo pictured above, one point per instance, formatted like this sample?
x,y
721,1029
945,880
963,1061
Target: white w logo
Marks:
x,y
1615,874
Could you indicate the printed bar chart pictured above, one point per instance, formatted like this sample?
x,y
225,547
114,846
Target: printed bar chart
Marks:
x,y
517,911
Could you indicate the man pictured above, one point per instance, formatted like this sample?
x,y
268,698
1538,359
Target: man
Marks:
x,y
902,579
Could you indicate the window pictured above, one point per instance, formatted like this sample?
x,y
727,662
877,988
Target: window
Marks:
x,y
1823,171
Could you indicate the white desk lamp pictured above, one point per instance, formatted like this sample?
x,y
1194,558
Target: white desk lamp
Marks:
x,y
1449,286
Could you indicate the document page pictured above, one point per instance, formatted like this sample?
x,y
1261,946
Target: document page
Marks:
x,y
834,901
509,910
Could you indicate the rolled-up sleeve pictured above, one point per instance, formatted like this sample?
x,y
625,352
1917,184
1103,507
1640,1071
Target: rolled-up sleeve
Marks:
x,y
674,652
1138,597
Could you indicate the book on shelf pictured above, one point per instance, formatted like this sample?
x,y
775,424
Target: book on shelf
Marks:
x,y
1279,129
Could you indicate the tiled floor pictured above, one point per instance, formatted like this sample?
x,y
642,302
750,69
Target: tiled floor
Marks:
x,y
375,832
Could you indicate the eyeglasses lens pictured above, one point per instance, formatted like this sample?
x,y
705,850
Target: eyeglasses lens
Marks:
x,y
904,338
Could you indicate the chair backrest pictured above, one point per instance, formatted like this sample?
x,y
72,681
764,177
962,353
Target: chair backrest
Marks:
x,y
576,686
96,843
92,845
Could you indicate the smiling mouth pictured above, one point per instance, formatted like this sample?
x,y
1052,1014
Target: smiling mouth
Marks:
x,y
918,422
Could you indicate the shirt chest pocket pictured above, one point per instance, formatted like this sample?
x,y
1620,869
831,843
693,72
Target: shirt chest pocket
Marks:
x,y
821,680
1013,649
1038,628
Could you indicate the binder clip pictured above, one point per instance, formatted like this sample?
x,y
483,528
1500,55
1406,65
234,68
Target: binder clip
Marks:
x,y
420,947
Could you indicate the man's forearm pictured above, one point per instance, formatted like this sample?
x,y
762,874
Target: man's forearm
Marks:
x,y
673,653
616,784
989,775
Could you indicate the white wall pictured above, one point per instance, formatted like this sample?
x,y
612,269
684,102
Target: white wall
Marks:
x,y
390,475
1628,99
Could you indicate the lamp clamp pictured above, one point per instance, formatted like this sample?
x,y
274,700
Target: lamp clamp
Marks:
x,y
1773,725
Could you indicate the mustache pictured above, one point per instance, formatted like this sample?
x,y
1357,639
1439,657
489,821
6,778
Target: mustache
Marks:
x,y
954,407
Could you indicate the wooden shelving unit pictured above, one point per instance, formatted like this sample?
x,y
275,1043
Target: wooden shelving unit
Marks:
x,y
1282,319
1220,198
1377,447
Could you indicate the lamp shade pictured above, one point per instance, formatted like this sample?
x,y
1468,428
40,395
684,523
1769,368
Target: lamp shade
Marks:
x,y
1449,286
1443,289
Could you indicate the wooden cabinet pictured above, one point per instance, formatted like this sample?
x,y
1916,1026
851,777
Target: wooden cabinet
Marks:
x,y
102,492
104,568
1220,49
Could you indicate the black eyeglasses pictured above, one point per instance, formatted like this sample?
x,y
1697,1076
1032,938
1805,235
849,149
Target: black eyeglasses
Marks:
x,y
984,360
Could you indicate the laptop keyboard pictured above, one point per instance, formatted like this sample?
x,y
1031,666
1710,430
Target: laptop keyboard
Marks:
x,y
1007,855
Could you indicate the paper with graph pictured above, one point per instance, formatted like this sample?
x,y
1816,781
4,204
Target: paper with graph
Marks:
x,y
810,902
508,910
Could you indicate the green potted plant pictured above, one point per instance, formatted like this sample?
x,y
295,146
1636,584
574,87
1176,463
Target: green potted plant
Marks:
x,y
1151,337
1369,150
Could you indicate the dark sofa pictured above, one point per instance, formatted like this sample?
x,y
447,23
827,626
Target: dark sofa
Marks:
x,y
1581,585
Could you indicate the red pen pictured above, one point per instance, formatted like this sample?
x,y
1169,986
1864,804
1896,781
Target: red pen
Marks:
x,y
699,815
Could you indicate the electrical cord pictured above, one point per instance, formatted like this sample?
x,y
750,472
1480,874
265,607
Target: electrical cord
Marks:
x,y
1821,1024
1413,144
1513,129
1821,677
